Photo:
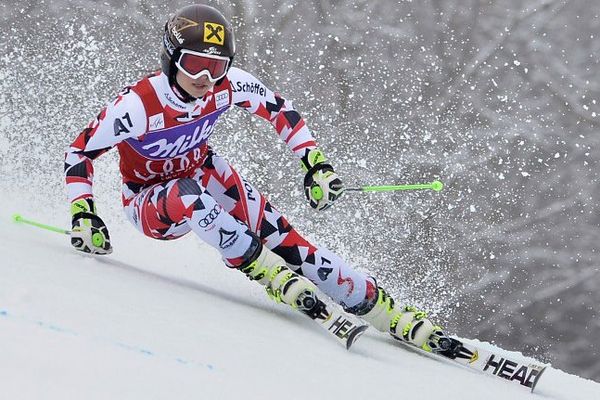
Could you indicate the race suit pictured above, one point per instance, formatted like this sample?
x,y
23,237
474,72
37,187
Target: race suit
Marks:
x,y
173,182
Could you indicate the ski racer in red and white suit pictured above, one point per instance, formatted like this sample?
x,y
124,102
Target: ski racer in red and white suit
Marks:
x,y
173,182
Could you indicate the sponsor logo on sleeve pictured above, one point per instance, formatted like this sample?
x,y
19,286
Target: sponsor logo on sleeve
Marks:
x,y
249,87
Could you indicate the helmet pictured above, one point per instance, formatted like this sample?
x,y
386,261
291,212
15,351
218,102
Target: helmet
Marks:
x,y
199,28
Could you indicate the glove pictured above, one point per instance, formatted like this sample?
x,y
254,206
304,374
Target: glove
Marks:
x,y
322,186
89,233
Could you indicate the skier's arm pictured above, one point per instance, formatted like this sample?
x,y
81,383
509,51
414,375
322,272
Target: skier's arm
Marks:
x,y
121,119
321,184
252,95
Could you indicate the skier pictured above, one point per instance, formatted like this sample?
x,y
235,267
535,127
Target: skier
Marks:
x,y
174,183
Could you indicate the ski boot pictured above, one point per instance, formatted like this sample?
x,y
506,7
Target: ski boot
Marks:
x,y
286,286
407,324
281,283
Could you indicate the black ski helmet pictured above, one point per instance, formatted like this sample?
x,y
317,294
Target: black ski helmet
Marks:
x,y
199,28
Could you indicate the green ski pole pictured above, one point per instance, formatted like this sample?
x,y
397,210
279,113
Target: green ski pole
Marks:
x,y
21,220
435,186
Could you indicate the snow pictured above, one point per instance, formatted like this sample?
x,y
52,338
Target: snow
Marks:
x,y
166,320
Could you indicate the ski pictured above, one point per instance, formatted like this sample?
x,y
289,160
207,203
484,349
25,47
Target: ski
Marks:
x,y
511,368
342,326
514,369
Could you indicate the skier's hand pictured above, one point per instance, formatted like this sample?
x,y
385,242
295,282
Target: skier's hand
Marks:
x,y
89,233
322,186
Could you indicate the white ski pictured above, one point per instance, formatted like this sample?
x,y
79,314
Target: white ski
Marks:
x,y
513,369
342,326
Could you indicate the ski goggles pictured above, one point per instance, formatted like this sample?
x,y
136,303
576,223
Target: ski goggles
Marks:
x,y
195,65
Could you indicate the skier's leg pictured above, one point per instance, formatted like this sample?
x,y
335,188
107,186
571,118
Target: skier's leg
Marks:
x,y
354,290
241,199
170,210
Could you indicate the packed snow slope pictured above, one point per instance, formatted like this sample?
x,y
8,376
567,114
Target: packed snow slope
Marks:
x,y
166,320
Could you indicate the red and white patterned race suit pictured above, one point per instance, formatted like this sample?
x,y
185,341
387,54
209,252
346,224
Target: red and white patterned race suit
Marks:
x,y
173,182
